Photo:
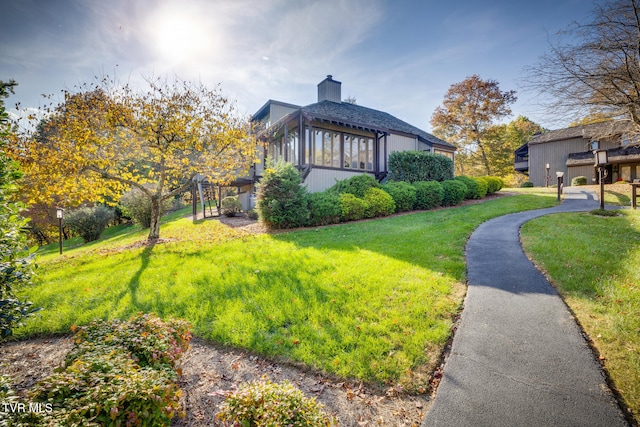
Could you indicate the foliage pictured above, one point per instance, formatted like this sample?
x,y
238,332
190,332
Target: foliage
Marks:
x,y
253,214
473,188
483,186
429,194
414,166
266,404
578,180
356,185
527,184
137,206
352,208
282,198
593,68
494,184
89,222
603,212
324,208
403,194
16,266
379,203
108,137
118,373
454,192
468,110
230,206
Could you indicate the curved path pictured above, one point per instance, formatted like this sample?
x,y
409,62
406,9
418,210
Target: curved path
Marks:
x,y
518,358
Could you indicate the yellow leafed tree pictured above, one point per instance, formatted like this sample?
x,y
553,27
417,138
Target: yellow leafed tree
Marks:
x,y
103,140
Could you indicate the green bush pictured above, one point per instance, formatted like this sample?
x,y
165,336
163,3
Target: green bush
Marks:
x,y
356,185
527,184
403,194
324,208
230,206
352,208
118,373
494,184
265,404
483,187
429,194
379,202
454,192
89,222
579,180
473,190
414,166
252,214
282,200
137,206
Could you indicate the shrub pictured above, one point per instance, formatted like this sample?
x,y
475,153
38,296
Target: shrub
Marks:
x,y
527,184
483,186
494,184
263,404
473,191
230,206
352,208
356,185
579,180
454,192
137,206
379,202
89,222
324,208
282,200
414,166
428,194
403,194
252,214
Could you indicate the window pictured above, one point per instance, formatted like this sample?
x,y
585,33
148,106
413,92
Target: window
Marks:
x,y
342,150
292,146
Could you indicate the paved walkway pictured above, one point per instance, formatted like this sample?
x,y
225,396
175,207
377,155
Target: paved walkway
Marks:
x,y
518,358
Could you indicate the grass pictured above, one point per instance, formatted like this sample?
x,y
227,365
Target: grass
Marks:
x,y
374,300
595,264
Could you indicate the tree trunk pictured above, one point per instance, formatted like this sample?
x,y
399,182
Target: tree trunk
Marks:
x,y
154,228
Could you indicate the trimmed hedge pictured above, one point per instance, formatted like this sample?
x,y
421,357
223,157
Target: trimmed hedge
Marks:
x,y
403,194
282,201
527,184
356,185
380,203
472,192
324,208
352,208
483,186
494,184
429,194
414,166
579,180
89,222
454,192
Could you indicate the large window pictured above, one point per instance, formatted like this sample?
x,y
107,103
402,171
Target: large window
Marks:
x,y
342,150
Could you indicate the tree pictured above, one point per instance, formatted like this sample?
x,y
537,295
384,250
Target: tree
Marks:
x,y
467,112
593,68
103,140
500,141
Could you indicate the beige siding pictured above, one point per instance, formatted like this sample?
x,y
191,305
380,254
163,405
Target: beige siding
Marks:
x,y
573,171
321,179
279,111
556,154
397,142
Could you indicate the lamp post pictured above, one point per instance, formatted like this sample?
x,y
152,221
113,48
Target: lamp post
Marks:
x,y
601,161
547,167
560,176
60,215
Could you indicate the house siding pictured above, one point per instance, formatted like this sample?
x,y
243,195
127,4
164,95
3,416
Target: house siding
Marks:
x,y
321,179
556,155
278,111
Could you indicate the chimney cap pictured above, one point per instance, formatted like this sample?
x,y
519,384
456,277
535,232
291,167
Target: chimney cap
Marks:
x,y
329,76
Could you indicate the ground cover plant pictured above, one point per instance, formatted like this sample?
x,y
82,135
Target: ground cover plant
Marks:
x,y
372,300
595,265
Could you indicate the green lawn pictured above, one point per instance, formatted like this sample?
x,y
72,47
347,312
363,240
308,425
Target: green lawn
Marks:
x,y
372,300
595,264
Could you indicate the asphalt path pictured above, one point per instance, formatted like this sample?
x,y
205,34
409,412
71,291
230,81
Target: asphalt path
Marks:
x,y
518,357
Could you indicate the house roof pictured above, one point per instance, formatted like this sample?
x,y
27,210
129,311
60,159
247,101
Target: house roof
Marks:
x,y
589,132
365,118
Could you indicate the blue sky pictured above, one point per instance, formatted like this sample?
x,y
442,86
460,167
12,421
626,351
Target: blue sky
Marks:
x,y
399,56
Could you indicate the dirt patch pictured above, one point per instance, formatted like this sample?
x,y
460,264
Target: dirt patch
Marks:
x,y
209,372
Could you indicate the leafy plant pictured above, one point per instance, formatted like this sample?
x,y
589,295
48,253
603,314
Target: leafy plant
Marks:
x,y
230,206
403,194
324,208
266,404
352,208
526,184
473,189
483,186
494,184
282,198
379,203
579,180
454,192
137,206
429,194
356,185
414,166
89,222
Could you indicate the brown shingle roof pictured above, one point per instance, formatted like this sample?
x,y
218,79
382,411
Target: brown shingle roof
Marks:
x,y
589,132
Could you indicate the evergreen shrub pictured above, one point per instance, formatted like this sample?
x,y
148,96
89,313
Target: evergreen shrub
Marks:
x,y
454,192
282,200
380,203
414,166
230,206
483,186
89,222
579,180
352,208
526,184
356,185
137,206
429,194
324,208
473,190
403,194
494,184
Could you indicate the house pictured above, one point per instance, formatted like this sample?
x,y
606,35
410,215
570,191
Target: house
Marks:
x,y
571,150
333,140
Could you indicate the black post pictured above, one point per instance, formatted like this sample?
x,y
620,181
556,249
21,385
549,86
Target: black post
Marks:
x,y
559,187
60,231
601,188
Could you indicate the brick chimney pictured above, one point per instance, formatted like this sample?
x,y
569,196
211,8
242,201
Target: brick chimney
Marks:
x,y
329,90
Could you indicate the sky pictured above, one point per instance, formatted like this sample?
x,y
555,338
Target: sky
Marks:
x,y
398,56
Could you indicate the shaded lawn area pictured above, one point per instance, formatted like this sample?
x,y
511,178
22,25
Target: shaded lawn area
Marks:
x,y
595,265
374,300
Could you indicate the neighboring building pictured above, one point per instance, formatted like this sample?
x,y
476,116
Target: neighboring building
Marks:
x,y
570,151
334,140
